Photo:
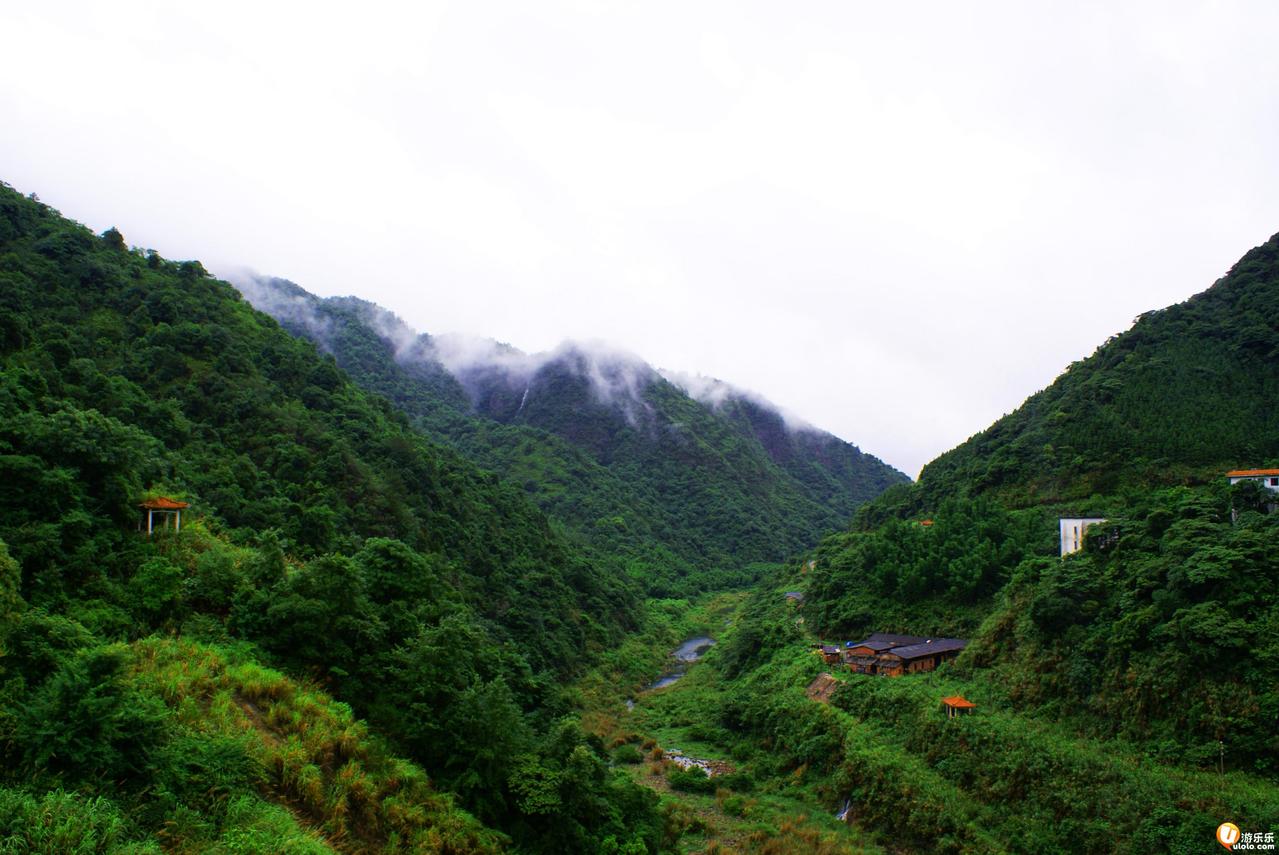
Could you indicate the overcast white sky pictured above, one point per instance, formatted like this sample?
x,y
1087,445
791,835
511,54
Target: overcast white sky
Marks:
x,y
896,220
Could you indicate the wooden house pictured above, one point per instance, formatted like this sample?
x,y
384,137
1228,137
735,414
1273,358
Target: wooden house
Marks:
x,y
831,654
916,658
861,656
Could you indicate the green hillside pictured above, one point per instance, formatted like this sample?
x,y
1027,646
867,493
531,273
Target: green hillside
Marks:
x,y
685,495
1128,694
324,536
1185,394
364,640
1177,597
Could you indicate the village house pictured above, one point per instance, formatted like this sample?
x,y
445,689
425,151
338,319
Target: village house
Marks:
x,y
916,658
861,656
892,655
1073,530
1269,478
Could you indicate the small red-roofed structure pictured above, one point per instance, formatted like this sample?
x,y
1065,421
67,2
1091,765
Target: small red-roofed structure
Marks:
x,y
170,511
1268,478
956,705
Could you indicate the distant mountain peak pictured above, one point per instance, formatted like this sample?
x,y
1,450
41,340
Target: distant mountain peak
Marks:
x,y
676,471
716,394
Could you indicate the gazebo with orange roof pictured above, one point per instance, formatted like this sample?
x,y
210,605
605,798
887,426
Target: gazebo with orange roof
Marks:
x,y
170,509
957,705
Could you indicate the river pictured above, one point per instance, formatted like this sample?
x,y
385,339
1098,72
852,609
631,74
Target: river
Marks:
x,y
681,657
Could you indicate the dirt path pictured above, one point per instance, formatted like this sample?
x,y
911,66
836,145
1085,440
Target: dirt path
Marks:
x,y
822,687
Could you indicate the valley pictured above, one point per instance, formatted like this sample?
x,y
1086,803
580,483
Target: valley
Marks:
x,y
526,602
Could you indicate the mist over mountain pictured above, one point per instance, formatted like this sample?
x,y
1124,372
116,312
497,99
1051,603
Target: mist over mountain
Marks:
x,y
620,452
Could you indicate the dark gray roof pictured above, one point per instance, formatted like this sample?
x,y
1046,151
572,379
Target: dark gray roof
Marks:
x,y
874,645
889,639
897,639
928,648
826,648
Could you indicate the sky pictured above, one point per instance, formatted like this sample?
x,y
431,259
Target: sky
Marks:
x,y
895,220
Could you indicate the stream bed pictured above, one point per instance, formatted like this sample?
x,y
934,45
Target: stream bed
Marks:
x,y
681,657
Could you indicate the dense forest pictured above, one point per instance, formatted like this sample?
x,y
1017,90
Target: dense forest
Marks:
x,y
684,495
386,578
416,608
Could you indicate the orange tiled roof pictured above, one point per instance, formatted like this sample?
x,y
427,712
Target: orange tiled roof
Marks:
x,y
163,503
925,522
958,701
1250,473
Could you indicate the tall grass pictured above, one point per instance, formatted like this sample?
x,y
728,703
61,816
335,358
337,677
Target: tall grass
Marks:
x,y
318,762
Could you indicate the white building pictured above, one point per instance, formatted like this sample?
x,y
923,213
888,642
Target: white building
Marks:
x,y
1072,532
1269,478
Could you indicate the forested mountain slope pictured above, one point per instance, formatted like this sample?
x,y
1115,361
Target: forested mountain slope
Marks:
x,y
325,537
631,463
1188,392
1162,629
1126,695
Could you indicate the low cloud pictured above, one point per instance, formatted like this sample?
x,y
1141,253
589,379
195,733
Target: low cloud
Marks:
x,y
715,393
615,376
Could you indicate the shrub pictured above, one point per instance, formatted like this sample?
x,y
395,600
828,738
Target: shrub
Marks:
x,y
692,780
627,754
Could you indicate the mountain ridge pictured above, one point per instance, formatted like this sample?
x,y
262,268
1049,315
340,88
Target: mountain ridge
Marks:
x,y
650,457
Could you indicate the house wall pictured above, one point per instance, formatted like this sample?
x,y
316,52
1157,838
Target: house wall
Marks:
x,y
1270,482
1072,532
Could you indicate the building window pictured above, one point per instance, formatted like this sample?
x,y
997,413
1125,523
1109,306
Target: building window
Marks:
x,y
1274,482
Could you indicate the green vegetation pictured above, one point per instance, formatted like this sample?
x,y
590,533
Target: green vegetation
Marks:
x,y
1163,629
1127,693
1008,777
362,641
752,804
903,575
326,537
1184,395
684,497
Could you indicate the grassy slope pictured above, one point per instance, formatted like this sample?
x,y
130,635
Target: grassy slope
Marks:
x,y
266,766
321,764
1007,778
